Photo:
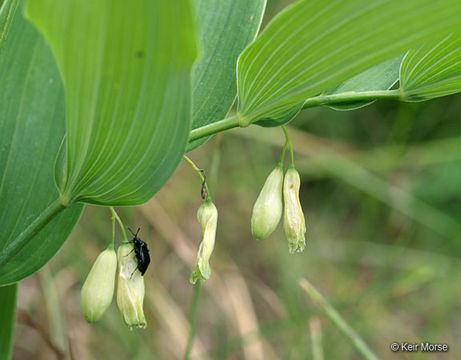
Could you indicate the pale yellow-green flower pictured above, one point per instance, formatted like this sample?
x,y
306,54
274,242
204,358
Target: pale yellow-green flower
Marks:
x,y
207,216
267,209
130,291
293,219
98,289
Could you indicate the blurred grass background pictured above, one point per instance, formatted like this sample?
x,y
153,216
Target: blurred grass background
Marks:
x,y
381,194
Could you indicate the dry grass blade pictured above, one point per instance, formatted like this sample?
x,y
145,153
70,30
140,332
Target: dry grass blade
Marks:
x,y
338,320
173,321
53,307
244,313
26,319
315,328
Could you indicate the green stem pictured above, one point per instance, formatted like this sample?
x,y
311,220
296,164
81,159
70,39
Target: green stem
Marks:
x,y
200,174
213,128
335,99
215,162
8,296
33,229
282,157
112,245
287,141
115,215
351,96
193,318
338,320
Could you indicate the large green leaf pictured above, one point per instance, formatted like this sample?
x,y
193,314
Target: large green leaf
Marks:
x,y
7,9
31,128
225,29
432,70
380,77
7,312
314,45
126,71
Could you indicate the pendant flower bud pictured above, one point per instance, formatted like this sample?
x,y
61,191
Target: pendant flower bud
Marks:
x,y
293,219
267,210
98,289
130,291
207,216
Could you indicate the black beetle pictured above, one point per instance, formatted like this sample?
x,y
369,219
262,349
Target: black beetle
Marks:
x,y
141,251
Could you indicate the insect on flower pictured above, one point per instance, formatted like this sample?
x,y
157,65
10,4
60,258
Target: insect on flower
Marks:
x,y
141,251
130,287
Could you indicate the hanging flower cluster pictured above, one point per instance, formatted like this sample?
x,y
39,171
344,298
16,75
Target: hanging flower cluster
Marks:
x,y
267,210
280,194
98,289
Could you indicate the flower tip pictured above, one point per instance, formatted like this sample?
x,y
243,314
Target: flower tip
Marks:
x,y
91,319
297,246
141,325
202,272
194,277
257,236
257,230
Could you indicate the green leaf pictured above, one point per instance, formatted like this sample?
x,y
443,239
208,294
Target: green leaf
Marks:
x,y
314,45
7,319
31,129
126,72
7,10
225,29
380,77
432,70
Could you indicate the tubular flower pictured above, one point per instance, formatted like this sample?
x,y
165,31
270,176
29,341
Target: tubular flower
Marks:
x,y
98,289
130,292
293,219
207,216
267,210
